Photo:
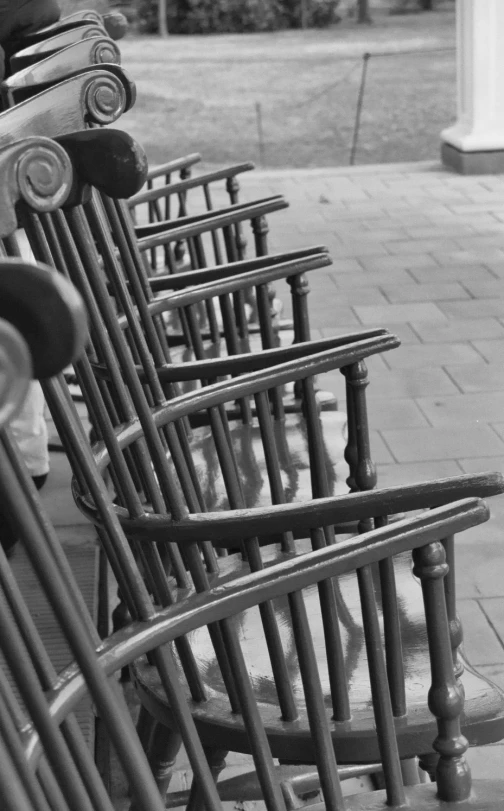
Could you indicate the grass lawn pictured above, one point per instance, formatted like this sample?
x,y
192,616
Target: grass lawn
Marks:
x,y
201,93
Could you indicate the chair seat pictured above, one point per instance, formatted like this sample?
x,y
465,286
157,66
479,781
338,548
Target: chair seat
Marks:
x,y
292,449
355,740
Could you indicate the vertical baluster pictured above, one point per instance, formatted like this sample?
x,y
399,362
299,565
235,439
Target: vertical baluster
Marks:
x,y
456,630
358,454
233,188
380,692
446,698
299,292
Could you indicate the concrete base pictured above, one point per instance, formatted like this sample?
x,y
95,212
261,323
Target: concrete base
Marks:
x,y
473,163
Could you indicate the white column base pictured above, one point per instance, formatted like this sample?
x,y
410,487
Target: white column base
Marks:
x,y
475,143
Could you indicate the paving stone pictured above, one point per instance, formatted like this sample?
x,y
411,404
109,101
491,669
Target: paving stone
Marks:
x,y
426,292
499,428
469,257
423,444
367,278
390,475
472,409
358,295
380,454
399,313
330,315
385,412
449,272
412,382
478,567
346,266
374,235
481,644
493,608
415,356
358,249
486,761
496,674
421,246
400,262
477,308
478,377
491,350
476,465
462,330
485,289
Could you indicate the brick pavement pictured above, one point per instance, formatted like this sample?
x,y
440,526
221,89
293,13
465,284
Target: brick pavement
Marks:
x,y
419,250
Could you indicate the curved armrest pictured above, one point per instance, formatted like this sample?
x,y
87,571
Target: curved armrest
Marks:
x,y
186,278
160,233
230,598
191,183
227,528
231,282
247,385
173,166
212,368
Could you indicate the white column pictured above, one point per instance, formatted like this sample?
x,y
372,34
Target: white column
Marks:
x,y
476,141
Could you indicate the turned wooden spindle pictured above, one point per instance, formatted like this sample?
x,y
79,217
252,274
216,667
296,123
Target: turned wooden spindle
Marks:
x,y
299,292
454,623
446,699
358,450
233,189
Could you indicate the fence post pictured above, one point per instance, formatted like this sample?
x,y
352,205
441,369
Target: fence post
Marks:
x,y
260,133
162,26
360,99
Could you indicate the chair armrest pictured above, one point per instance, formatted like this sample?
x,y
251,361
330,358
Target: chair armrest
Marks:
x,y
230,598
212,368
231,282
181,186
228,528
187,278
173,166
229,390
160,233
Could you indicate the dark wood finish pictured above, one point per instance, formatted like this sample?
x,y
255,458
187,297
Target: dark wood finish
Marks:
x,y
40,76
153,474
52,319
40,50
94,96
49,698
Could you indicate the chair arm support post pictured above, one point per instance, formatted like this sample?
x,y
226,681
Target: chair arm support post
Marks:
x,y
446,697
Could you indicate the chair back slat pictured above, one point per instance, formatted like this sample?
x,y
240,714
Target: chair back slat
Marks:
x,y
380,690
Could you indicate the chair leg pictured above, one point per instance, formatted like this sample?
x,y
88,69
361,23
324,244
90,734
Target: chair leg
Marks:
x,y
429,764
217,762
164,747
410,772
145,727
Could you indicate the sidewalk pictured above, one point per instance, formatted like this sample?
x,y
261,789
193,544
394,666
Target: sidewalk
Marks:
x,y
421,251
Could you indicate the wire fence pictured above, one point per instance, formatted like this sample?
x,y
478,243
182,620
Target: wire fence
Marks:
x,y
311,100
377,107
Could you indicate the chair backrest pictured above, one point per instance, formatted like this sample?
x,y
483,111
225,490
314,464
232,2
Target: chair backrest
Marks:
x,y
43,724
40,50
160,480
45,762
38,77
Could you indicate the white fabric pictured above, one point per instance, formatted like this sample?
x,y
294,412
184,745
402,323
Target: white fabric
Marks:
x,y
29,429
